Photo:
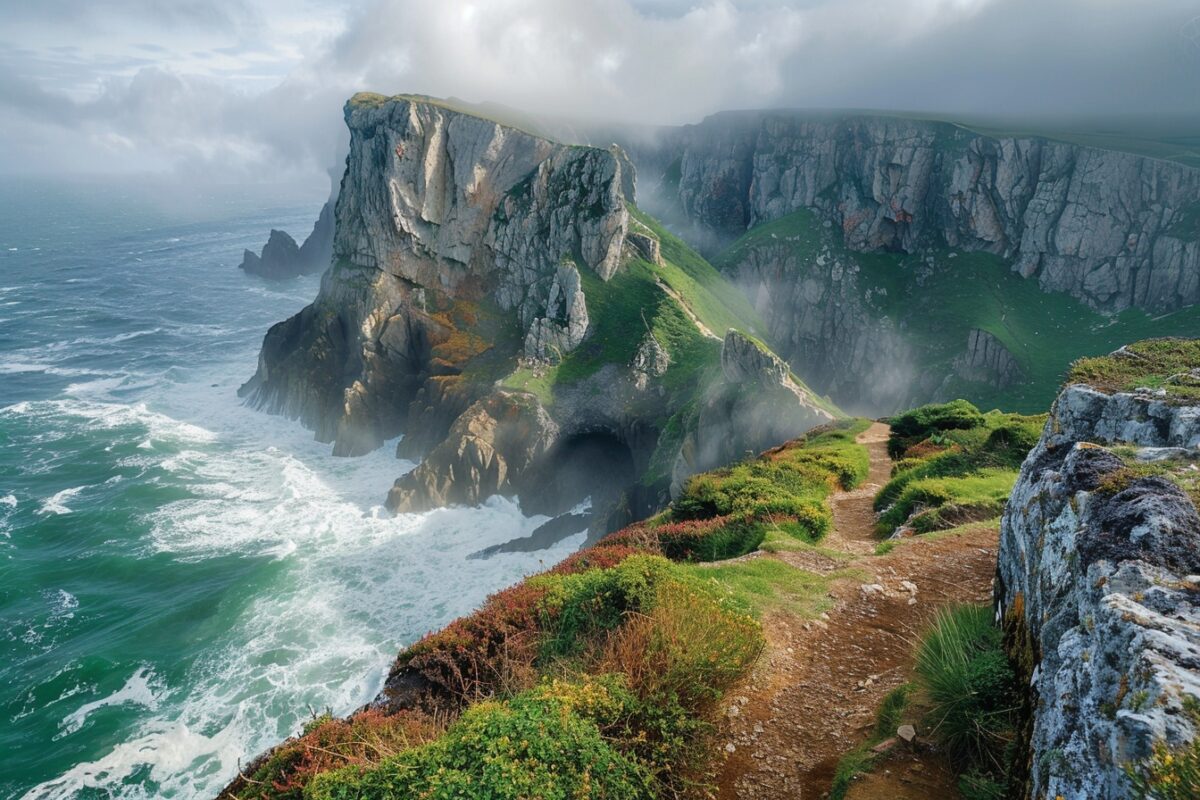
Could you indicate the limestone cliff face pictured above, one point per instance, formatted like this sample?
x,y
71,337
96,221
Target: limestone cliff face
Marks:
x,y
1101,225
1099,584
439,213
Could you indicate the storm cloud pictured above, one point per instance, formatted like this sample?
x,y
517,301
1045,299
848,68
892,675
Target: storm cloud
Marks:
x,y
247,88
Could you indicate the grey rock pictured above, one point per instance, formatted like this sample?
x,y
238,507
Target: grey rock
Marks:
x,y
1101,225
1099,576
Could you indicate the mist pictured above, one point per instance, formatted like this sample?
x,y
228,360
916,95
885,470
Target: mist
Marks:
x,y
252,90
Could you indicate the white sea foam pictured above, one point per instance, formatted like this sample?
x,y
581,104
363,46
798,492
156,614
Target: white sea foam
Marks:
x,y
9,500
140,689
94,415
356,585
58,503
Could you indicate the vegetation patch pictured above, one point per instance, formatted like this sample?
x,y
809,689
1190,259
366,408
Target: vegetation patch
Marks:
x,y
1157,364
938,296
974,698
862,758
956,465
603,677
1170,773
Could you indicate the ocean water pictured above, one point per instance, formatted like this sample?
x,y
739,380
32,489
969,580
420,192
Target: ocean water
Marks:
x,y
183,580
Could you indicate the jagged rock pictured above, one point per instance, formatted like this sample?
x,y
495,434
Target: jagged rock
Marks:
x,y
489,447
647,246
566,320
1099,224
280,257
650,361
756,405
1093,578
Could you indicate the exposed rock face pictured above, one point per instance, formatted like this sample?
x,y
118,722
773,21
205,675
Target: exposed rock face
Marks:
x,y
464,249
281,258
1100,569
489,449
438,212
755,407
1100,225
825,323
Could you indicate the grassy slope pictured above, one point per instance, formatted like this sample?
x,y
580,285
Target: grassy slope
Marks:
x,y
1045,332
604,676
623,308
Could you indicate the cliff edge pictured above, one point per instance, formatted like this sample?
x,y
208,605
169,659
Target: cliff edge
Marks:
x,y
1098,578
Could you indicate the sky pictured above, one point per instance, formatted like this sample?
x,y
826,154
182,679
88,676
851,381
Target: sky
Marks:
x,y
252,90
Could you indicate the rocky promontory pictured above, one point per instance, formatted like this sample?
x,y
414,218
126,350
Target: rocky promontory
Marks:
x,y
496,299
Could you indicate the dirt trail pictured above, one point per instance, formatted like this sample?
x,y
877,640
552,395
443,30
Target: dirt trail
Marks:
x,y
814,694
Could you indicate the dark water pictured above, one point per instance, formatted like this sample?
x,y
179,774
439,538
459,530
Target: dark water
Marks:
x,y
182,579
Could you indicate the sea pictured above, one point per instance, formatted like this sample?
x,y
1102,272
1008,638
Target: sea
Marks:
x,y
185,581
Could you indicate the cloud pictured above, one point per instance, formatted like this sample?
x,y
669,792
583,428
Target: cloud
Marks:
x,y
254,87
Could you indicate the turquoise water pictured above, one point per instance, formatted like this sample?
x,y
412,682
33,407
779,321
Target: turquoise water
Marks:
x,y
182,579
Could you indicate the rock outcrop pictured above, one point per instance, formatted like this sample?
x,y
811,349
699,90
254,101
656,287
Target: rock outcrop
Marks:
x,y
1099,587
281,257
987,360
1105,226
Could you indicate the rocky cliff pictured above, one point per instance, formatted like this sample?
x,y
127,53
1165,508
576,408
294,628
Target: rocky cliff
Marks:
x,y
492,299
1113,229
1099,581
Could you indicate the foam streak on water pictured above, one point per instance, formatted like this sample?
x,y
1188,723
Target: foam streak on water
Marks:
x,y
181,578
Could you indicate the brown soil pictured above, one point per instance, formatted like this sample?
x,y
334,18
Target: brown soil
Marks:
x,y
814,694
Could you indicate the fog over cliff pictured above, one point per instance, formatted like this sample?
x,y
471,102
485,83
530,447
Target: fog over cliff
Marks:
x,y
251,88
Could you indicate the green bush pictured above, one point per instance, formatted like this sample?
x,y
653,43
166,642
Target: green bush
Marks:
x,y
972,689
578,606
977,496
919,423
541,744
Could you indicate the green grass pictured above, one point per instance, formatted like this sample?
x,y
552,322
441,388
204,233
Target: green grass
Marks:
x,y
954,465
763,585
785,487
973,692
937,307
1153,363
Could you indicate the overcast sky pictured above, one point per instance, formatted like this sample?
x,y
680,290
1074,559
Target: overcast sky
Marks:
x,y
247,89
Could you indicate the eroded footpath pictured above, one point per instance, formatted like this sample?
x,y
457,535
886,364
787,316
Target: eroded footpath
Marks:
x,y
814,694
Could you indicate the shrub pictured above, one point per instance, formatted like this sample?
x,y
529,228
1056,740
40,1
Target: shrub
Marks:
x,y
327,744
919,423
490,651
977,496
574,608
710,539
539,744
972,688
679,661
